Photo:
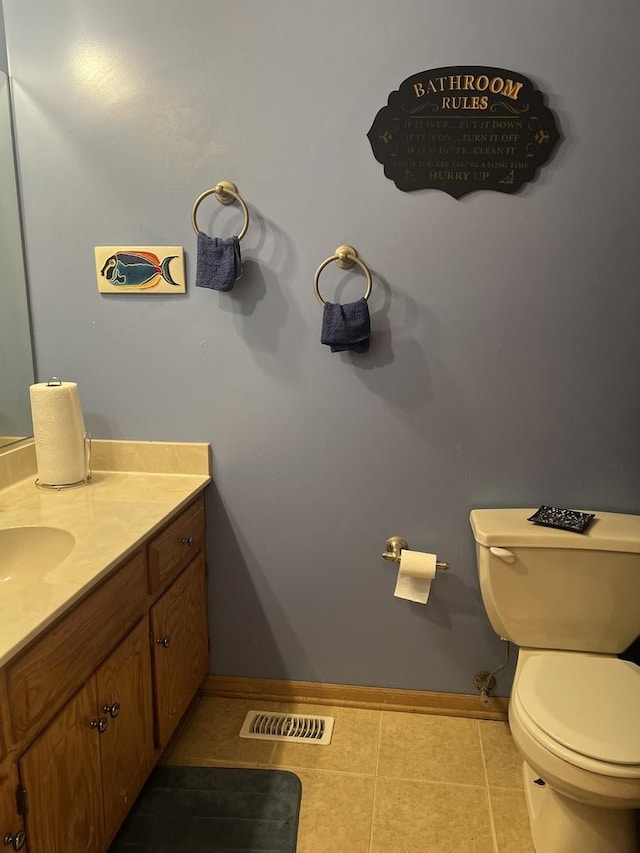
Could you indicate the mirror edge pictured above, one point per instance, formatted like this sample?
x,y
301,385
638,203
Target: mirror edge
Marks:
x,y
18,329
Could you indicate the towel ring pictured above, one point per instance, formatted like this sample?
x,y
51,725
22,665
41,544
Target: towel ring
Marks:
x,y
226,192
345,257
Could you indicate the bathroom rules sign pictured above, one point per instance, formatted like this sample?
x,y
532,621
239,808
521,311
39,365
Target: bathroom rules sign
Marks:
x,y
464,128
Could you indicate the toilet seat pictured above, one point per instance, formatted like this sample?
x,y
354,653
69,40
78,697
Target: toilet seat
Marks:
x,y
584,709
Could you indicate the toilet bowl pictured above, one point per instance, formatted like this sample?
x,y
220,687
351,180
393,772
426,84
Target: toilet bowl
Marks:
x,y
574,718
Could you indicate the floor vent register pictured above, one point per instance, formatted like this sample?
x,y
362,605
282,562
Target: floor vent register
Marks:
x,y
300,728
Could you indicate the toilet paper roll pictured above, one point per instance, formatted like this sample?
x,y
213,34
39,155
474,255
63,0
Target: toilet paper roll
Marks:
x,y
58,432
415,573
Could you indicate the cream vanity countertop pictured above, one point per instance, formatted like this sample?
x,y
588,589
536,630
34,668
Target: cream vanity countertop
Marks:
x,y
109,518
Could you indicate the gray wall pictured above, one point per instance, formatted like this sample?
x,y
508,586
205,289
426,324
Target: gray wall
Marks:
x,y
503,369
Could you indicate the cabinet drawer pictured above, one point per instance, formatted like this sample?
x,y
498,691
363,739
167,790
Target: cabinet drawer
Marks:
x,y
174,547
47,674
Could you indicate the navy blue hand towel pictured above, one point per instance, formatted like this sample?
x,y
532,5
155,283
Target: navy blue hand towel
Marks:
x,y
219,264
346,327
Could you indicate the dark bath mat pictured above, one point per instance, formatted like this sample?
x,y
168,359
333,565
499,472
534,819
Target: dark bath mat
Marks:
x,y
213,810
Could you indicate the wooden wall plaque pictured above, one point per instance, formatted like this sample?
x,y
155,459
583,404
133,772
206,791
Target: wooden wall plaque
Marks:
x,y
464,128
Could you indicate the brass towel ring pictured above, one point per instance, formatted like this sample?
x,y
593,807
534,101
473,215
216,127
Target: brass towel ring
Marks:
x,y
345,257
226,192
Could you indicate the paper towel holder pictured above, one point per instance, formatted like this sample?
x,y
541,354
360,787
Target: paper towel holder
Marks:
x,y
88,471
394,547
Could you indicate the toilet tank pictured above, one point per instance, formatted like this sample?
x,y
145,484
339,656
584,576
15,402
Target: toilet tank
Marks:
x,y
554,589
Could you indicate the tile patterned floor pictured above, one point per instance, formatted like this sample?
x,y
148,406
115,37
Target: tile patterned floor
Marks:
x,y
388,782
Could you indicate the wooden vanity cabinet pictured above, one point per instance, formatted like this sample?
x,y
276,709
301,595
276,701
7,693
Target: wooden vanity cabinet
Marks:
x,y
94,700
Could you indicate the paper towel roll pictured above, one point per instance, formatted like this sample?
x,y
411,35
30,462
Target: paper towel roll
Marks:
x,y
415,573
58,432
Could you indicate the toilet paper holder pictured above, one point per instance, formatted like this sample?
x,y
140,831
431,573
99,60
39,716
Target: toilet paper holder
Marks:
x,y
395,544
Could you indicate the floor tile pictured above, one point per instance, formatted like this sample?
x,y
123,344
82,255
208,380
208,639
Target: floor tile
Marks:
x,y
210,736
414,817
511,821
503,762
440,749
353,747
390,782
336,812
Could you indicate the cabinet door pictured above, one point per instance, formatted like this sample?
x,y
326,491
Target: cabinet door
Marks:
x,y
126,746
180,647
11,826
61,774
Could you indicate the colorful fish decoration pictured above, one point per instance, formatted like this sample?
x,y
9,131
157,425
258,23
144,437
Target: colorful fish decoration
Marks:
x,y
127,269
137,269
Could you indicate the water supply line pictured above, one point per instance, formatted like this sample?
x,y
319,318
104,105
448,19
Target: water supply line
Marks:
x,y
486,681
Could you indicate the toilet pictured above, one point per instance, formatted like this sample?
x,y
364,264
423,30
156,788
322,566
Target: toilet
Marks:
x,y
571,603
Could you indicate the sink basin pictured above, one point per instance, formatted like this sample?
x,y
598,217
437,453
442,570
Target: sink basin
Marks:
x,y
32,551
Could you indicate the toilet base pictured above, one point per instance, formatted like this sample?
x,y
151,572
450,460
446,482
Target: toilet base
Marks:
x,y
562,825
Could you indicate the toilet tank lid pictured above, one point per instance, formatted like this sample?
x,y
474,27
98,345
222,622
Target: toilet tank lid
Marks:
x,y
609,531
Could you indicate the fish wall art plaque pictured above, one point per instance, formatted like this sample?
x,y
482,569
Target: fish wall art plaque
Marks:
x,y
140,269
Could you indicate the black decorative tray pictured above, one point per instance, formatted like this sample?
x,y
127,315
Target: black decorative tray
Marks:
x,y
563,519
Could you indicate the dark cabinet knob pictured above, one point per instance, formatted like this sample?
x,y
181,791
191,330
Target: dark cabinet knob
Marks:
x,y
189,540
112,710
16,841
100,724
165,641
